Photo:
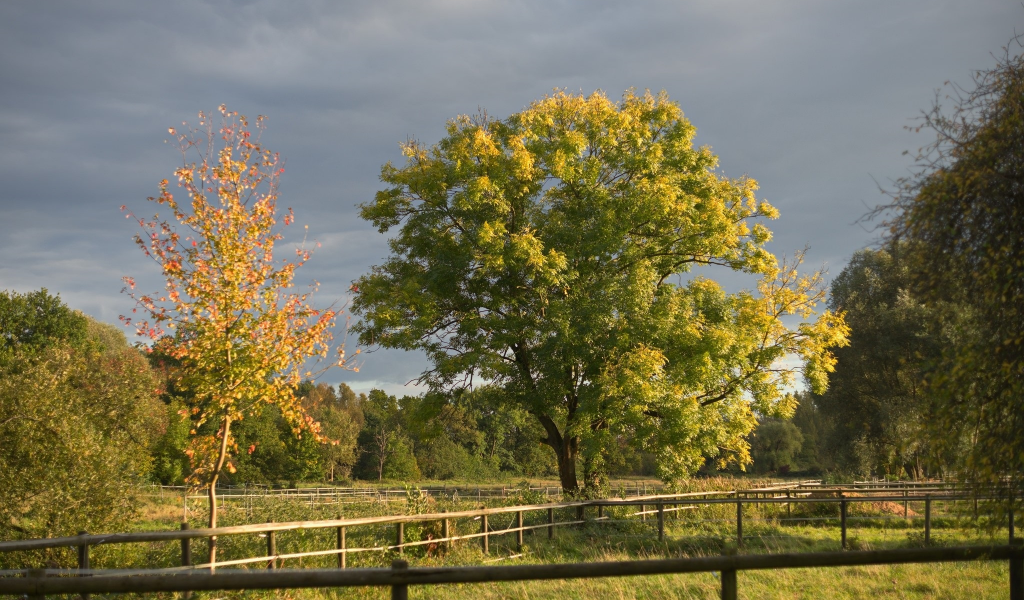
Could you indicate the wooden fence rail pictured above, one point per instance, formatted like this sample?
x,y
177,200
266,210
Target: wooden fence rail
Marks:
x,y
39,583
659,505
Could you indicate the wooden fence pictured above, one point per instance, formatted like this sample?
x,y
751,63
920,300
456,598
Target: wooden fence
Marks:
x,y
642,507
39,583
350,495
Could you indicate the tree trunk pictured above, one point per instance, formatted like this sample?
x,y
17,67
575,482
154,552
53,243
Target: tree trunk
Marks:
x,y
212,492
566,452
567,467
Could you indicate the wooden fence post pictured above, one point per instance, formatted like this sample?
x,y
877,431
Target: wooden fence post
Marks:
x,y
643,512
739,523
1011,521
484,542
661,521
1017,576
186,548
789,506
186,556
905,493
842,521
399,591
342,556
271,549
551,523
83,560
927,519
519,531
36,573
446,533
400,537
729,584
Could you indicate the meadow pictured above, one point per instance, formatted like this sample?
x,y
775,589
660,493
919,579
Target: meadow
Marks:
x,y
619,535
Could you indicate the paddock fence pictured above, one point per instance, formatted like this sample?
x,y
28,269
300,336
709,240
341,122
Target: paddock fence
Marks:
x,y
39,583
482,524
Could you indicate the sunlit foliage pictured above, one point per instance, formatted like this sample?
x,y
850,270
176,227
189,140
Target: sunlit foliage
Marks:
x,y
242,335
546,253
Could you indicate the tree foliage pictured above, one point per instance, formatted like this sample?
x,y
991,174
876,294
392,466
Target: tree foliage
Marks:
x,y
961,212
387,451
78,410
775,446
32,321
877,401
545,253
241,334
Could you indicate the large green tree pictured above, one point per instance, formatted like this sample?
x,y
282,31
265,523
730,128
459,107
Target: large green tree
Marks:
x,y
549,254
962,213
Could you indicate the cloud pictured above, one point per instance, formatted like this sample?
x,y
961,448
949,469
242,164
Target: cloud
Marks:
x,y
807,97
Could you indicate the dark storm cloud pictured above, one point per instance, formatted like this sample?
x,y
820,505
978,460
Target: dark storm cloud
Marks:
x,y
809,98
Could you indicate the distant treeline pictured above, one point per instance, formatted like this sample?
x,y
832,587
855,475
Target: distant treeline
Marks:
x,y
377,436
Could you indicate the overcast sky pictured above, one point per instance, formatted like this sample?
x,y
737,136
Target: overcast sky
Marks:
x,y
810,98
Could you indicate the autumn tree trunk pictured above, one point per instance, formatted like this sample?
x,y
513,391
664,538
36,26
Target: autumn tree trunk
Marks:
x,y
212,491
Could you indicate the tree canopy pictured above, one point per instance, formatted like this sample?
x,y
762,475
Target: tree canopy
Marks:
x,y
550,253
32,321
961,212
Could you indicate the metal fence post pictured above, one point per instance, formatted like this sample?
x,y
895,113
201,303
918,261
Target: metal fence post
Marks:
x,y
739,524
729,584
927,519
399,591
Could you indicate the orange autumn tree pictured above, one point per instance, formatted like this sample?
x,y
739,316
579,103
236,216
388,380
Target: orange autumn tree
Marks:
x,y
229,314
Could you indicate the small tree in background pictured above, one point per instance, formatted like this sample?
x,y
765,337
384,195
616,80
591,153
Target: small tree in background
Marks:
x,y
242,335
775,446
